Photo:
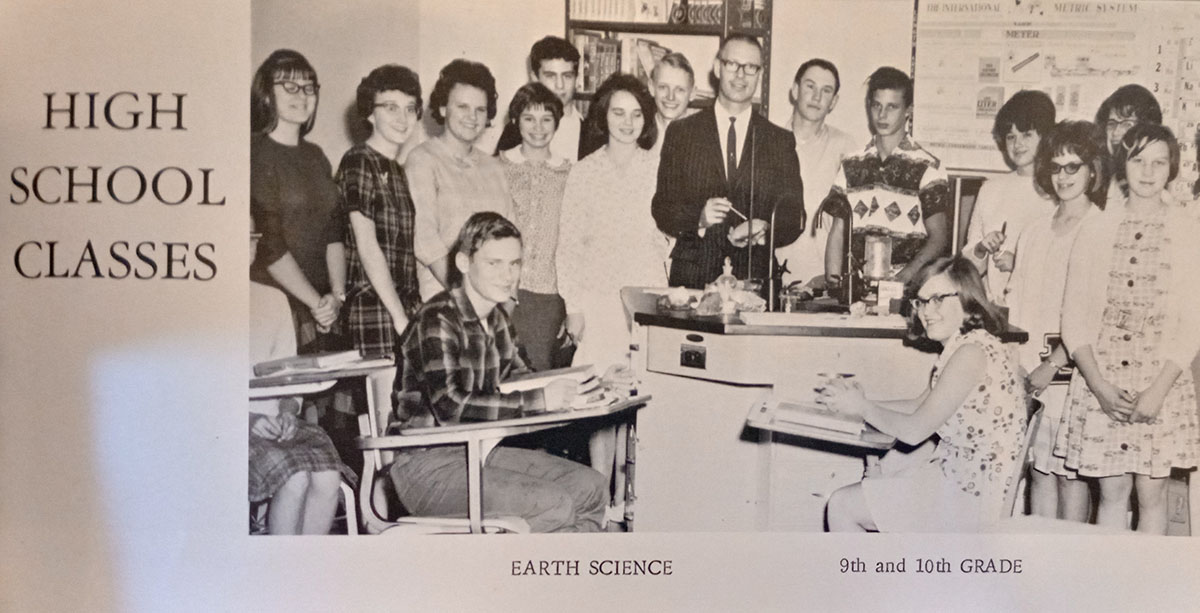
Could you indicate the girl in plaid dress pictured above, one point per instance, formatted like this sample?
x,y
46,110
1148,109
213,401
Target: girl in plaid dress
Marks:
x,y
381,287
1131,415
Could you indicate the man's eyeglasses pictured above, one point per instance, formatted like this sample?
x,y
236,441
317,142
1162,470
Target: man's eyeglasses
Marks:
x,y
1070,169
936,300
292,87
748,69
395,109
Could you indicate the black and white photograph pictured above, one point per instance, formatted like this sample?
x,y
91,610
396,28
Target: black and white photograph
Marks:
x,y
724,283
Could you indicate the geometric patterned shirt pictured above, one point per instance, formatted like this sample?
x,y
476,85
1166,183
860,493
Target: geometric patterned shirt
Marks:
x,y
891,196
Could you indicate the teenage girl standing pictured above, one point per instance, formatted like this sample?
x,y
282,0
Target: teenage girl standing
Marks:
x,y
1127,321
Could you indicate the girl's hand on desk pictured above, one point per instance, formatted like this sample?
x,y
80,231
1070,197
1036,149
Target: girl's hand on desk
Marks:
x,y
845,397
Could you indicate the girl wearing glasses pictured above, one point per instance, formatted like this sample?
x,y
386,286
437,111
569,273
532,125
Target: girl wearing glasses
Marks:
x,y
292,195
1070,165
1133,331
382,285
975,405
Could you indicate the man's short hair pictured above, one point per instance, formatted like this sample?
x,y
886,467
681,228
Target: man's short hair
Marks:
x,y
887,77
1130,101
675,60
479,228
820,63
746,38
552,48
387,78
1027,110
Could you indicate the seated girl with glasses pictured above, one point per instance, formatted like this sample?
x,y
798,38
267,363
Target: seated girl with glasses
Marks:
x,y
970,423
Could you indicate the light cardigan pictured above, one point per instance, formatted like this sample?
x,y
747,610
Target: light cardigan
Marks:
x,y
1087,284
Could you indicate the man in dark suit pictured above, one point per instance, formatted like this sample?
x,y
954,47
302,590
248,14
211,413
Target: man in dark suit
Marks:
x,y
720,168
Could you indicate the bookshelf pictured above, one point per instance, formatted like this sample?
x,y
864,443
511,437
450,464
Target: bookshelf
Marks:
x,y
631,35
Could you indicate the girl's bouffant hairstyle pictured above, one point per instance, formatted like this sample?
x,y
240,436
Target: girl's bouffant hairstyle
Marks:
x,y
529,95
1027,110
595,127
281,64
386,78
980,312
1136,140
1073,137
463,72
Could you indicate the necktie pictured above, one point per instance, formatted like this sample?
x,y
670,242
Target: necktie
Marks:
x,y
731,151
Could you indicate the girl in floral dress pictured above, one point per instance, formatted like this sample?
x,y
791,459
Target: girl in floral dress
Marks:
x,y
1128,323
975,406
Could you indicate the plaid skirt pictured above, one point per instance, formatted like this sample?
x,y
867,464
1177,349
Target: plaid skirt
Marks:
x,y
273,462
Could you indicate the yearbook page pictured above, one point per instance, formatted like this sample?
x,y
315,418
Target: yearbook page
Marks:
x,y
126,246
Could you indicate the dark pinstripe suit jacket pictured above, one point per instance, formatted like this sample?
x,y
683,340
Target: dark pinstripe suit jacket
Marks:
x,y
692,170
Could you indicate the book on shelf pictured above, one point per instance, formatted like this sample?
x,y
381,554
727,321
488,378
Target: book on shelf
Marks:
x,y
308,361
815,415
601,56
652,11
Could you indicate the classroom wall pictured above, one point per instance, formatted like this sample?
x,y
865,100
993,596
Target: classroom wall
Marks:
x,y
343,42
836,31
498,34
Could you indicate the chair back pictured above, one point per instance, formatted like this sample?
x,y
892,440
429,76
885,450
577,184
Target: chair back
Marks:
x,y
1031,427
372,493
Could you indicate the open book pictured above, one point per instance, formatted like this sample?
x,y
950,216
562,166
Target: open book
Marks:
x,y
591,393
817,416
308,361
582,374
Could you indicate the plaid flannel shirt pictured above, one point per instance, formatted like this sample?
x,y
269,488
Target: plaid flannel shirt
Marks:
x,y
451,366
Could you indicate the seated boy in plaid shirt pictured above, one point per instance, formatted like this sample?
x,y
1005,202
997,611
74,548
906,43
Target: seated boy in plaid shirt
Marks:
x,y
454,354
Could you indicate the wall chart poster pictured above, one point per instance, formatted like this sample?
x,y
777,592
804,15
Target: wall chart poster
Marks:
x,y
972,56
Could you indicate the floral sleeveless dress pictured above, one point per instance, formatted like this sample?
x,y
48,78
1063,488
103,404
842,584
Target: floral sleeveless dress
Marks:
x,y
1127,351
963,484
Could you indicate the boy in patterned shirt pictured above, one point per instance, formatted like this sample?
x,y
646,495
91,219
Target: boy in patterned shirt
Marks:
x,y
893,187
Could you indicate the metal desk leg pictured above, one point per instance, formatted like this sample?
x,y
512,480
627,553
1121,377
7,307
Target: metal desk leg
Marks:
x,y
477,454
